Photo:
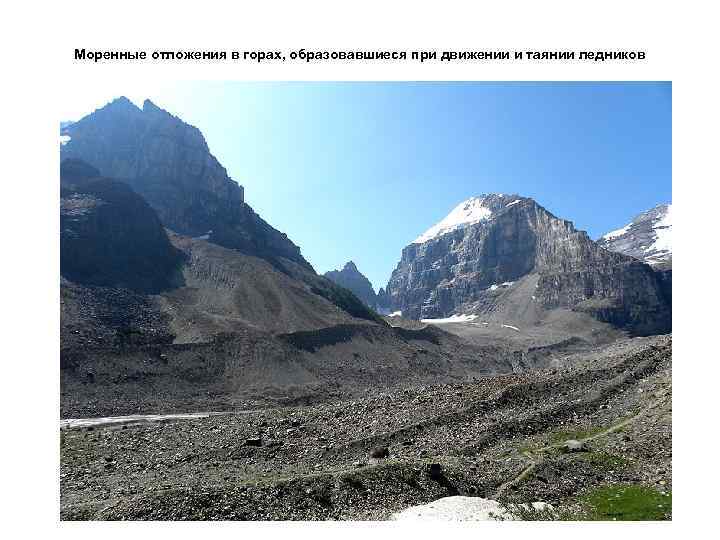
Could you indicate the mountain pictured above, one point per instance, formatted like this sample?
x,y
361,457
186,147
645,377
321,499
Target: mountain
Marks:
x,y
647,237
109,235
351,278
505,258
169,164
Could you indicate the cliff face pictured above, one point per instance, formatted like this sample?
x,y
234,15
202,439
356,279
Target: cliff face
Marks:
x,y
109,236
169,163
353,280
489,243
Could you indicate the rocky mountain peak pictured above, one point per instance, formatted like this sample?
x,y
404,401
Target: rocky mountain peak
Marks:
x,y
352,279
169,164
492,245
469,212
149,106
647,237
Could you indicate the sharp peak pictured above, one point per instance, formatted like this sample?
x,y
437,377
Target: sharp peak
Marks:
x,y
123,102
150,106
350,265
490,198
495,196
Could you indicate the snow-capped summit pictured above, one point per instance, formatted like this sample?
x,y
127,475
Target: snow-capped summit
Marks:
x,y
647,237
474,210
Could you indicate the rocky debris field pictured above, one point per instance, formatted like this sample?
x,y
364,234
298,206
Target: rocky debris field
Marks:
x,y
503,438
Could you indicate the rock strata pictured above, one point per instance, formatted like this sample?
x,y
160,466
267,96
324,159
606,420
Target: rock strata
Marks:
x,y
489,245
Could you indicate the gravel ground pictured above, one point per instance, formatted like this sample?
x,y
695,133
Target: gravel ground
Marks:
x,y
366,458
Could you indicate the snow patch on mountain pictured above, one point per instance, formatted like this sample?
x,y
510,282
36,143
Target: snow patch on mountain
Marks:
x,y
504,285
466,213
617,232
663,233
451,319
647,237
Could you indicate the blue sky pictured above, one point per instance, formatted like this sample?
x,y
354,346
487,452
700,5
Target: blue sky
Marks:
x,y
358,170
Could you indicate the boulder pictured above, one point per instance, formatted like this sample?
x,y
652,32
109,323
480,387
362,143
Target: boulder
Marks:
x,y
574,446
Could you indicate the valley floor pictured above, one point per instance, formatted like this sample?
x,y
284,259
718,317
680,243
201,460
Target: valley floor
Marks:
x,y
501,438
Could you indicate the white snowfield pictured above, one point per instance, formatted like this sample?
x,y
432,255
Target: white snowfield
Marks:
x,y
464,214
396,314
504,284
663,235
64,139
451,319
661,246
511,327
617,232
460,509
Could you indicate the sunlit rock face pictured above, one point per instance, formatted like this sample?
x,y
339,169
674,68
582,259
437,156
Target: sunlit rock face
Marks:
x,y
490,243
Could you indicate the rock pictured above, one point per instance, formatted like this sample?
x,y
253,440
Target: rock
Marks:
x,y
472,266
351,278
435,471
169,164
380,452
359,464
109,236
253,442
647,237
574,446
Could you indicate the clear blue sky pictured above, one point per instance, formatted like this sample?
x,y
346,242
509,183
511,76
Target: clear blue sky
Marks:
x,y
358,170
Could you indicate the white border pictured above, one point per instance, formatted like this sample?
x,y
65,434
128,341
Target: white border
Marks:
x,y
38,39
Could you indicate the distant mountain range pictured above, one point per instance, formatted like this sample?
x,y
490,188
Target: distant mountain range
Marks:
x,y
160,252
648,237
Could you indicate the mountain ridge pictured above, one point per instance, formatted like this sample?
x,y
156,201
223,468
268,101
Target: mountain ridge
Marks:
x,y
355,281
460,270
168,163
648,237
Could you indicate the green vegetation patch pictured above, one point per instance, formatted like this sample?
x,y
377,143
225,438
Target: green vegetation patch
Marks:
x,y
605,460
627,503
566,435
